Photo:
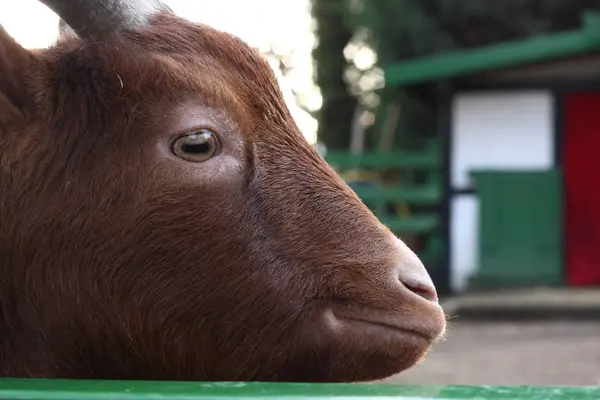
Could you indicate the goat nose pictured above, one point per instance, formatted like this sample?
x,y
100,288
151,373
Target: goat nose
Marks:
x,y
412,274
420,285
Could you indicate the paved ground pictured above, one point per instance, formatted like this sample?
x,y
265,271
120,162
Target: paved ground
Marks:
x,y
527,304
512,353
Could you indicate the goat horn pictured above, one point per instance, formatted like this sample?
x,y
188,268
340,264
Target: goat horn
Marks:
x,y
64,29
94,19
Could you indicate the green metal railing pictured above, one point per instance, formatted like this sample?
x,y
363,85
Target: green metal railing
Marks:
x,y
377,195
41,389
418,192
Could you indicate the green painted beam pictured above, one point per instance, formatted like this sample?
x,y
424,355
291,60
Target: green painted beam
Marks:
x,y
373,159
414,224
423,194
508,54
40,389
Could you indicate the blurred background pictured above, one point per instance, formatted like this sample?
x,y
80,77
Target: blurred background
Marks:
x,y
471,128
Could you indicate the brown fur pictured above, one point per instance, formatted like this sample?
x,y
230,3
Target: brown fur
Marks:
x,y
120,260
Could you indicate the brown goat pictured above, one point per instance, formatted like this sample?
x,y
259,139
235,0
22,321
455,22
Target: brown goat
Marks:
x,y
162,217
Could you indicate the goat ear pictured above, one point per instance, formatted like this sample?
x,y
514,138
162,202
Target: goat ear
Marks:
x,y
16,64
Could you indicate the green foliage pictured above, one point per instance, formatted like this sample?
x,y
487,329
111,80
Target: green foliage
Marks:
x,y
408,28
402,29
333,34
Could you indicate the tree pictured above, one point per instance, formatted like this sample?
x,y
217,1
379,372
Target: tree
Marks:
x,y
399,30
333,33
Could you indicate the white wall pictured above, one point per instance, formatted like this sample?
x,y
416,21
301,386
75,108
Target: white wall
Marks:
x,y
500,130
464,239
492,130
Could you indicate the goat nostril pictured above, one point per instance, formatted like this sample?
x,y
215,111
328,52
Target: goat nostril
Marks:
x,y
424,290
412,274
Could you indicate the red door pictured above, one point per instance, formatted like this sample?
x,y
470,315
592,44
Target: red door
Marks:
x,y
582,187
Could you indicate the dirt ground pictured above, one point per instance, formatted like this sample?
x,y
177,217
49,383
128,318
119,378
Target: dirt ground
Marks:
x,y
520,353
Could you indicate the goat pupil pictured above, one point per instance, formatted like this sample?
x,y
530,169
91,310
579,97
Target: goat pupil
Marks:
x,y
196,148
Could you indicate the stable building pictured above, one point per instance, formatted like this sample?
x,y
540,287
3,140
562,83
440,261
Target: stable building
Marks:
x,y
520,127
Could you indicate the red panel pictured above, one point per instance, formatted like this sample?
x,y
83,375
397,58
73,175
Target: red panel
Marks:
x,y
582,187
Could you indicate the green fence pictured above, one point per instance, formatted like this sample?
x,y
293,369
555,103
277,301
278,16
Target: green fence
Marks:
x,y
404,190
41,389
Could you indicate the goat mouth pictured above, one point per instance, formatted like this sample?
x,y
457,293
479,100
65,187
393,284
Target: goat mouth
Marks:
x,y
374,326
376,321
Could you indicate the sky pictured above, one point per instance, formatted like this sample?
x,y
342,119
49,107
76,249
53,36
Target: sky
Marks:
x,y
283,24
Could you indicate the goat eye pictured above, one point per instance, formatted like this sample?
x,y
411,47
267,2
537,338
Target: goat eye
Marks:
x,y
196,146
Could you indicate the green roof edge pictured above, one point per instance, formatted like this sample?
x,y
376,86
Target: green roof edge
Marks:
x,y
508,54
